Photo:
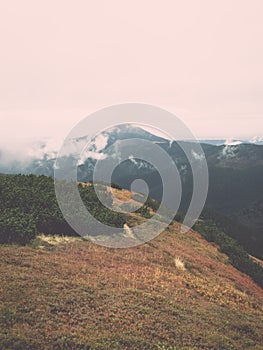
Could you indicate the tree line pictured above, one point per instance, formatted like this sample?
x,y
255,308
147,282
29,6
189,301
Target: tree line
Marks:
x,y
28,206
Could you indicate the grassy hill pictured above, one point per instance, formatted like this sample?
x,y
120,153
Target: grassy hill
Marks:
x,y
175,292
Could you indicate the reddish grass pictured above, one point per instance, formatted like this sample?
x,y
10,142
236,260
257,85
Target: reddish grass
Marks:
x,y
78,295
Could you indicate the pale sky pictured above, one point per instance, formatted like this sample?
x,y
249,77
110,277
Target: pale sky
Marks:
x,y
62,59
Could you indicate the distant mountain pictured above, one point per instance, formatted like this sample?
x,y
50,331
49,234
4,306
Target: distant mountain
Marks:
x,y
235,170
235,188
39,157
255,141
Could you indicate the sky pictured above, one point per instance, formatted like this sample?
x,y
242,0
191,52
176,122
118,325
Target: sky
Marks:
x,y
62,60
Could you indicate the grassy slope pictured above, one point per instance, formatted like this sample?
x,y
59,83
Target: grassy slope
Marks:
x,y
77,295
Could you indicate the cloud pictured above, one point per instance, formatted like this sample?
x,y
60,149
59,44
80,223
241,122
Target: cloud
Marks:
x,y
100,142
197,156
89,154
25,151
228,152
256,139
231,142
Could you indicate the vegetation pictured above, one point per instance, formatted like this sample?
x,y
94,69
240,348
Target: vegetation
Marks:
x,y
144,212
16,226
245,234
237,255
177,292
28,206
69,294
113,184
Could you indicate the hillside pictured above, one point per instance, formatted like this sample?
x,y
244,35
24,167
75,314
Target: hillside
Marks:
x,y
175,292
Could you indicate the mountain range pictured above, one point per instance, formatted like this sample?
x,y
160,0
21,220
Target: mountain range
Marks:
x,y
235,196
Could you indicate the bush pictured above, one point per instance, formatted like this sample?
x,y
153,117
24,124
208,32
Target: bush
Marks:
x,y
179,217
154,204
28,205
144,212
238,257
114,185
16,227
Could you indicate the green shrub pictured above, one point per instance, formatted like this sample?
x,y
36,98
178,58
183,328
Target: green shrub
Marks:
x,y
28,205
16,227
114,185
179,217
144,212
237,255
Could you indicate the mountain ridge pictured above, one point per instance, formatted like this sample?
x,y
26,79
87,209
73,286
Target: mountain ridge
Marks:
x,y
235,173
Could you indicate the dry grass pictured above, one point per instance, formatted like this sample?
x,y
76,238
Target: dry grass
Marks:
x,y
78,295
122,195
260,262
43,241
179,264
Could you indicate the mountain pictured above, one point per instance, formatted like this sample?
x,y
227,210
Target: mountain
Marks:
x,y
254,141
38,157
235,184
235,177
